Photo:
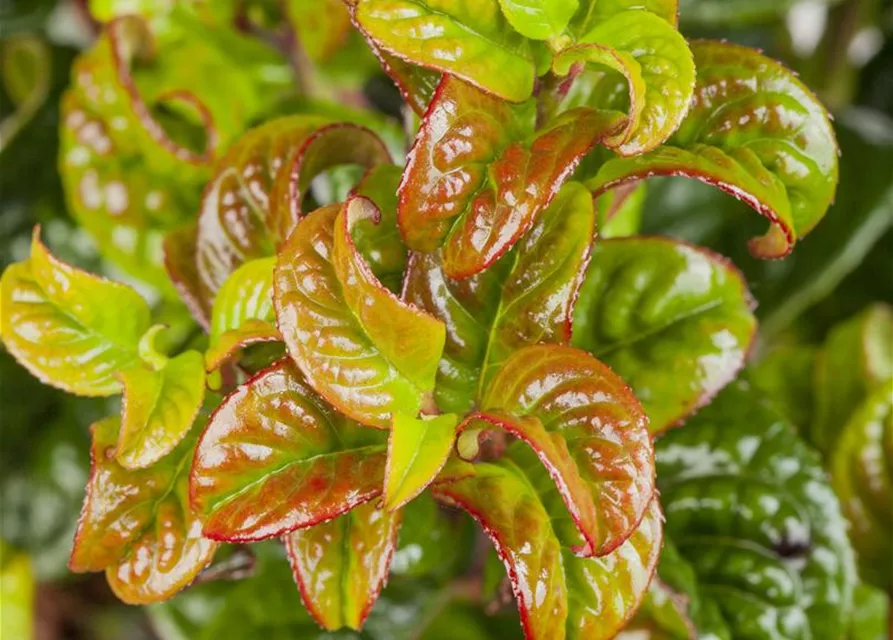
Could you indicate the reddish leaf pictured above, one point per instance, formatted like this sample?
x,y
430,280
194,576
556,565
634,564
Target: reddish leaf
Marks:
x,y
341,565
274,457
479,175
181,267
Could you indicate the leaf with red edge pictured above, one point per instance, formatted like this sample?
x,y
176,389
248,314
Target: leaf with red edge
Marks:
x,y
782,161
359,346
416,84
275,457
479,174
137,525
179,250
526,297
588,430
341,565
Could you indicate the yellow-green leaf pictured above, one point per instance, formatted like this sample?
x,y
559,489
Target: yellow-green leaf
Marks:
x,y
417,451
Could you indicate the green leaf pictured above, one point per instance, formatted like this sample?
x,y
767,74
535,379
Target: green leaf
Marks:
x,y
321,26
274,458
673,320
417,451
596,11
416,84
526,297
17,590
359,346
538,19
70,329
783,163
786,376
473,42
870,614
862,475
620,210
750,509
137,525
341,565
431,543
479,174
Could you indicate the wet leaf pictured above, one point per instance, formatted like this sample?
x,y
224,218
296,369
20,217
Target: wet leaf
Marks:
x,y
70,329
275,458
526,297
137,525
673,320
479,176
341,565
417,451
359,346
783,163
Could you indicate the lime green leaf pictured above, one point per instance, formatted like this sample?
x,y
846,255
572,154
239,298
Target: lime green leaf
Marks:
x,y
783,162
70,329
538,19
675,321
620,210
471,41
17,589
417,451
596,11
359,346
137,525
341,565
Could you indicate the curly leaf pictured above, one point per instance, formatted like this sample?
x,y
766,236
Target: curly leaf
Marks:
x,y
341,565
749,507
526,297
417,451
782,161
472,41
479,175
359,346
588,430
137,525
673,320
862,475
380,241
70,329
274,458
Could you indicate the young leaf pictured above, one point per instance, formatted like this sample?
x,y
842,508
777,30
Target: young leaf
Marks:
x,y
538,19
749,508
137,525
673,320
341,565
526,297
359,346
417,451
597,11
472,42
862,475
783,163
478,175
70,329
274,458
588,430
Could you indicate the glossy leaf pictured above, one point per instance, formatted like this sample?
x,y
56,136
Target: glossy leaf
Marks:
x,y
783,163
137,524
862,475
341,565
359,346
70,329
417,451
596,11
526,297
673,320
274,458
538,19
749,507
416,84
479,176
470,41
588,430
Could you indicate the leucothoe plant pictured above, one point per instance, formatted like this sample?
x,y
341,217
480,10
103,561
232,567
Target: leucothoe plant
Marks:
x,y
469,322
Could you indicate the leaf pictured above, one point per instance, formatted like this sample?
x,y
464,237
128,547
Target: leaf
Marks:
x,y
137,525
179,248
587,429
526,297
862,475
538,20
479,176
673,320
416,84
321,26
620,211
17,591
69,328
658,66
274,458
341,565
749,508
365,351
474,43
786,376
243,312
783,163
159,408
597,11
417,451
